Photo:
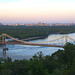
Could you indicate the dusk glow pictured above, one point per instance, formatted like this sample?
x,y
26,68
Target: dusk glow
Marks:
x,y
32,11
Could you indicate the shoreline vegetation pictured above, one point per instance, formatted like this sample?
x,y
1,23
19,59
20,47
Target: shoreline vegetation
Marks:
x,y
25,32
62,62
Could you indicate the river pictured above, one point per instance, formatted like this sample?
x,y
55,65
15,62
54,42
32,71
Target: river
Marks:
x,y
26,51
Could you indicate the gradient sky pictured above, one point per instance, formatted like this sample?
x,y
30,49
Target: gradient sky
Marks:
x,y
33,11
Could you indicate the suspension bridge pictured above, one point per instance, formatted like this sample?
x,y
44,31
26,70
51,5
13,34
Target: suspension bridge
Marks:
x,y
50,43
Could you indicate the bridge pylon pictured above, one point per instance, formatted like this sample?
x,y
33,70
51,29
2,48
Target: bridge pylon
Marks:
x,y
3,44
66,39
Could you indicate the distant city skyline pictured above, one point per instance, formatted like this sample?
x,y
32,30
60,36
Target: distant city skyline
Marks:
x,y
34,11
39,24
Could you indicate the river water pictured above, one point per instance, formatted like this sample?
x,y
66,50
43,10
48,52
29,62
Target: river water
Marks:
x,y
26,51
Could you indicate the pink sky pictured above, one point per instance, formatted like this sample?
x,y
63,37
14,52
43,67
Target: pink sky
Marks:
x,y
32,11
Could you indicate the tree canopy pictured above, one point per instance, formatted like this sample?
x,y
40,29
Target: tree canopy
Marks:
x,y
61,62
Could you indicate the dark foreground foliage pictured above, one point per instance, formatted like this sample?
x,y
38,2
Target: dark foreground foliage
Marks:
x,y
61,62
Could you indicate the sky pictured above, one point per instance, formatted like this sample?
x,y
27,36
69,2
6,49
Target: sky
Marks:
x,y
33,11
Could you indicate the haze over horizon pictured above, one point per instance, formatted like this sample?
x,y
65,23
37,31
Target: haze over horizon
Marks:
x,y
32,11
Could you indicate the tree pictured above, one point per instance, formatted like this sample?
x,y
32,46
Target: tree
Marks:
x,y
69,51
36,65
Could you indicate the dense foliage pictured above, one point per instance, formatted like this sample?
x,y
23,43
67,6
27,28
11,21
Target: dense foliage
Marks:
x,y
23,32
61,62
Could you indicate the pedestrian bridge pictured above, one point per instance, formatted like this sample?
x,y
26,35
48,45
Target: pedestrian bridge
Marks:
x,y
51,43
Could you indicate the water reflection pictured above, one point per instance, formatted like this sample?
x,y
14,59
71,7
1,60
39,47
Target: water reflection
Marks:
x,y
26,51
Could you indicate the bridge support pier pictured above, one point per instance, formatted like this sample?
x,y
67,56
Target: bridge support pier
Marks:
x,y
4,45
4,49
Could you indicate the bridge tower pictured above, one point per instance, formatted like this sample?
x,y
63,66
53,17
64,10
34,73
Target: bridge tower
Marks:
x,y
66,39
3,44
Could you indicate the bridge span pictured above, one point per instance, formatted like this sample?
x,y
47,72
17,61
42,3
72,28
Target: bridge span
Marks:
x,y
50,43
34,44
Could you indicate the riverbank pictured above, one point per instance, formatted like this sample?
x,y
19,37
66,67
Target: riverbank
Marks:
x,y
34,38
43,37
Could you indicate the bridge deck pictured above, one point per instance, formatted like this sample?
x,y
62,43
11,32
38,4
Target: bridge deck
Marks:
x,y
34,44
